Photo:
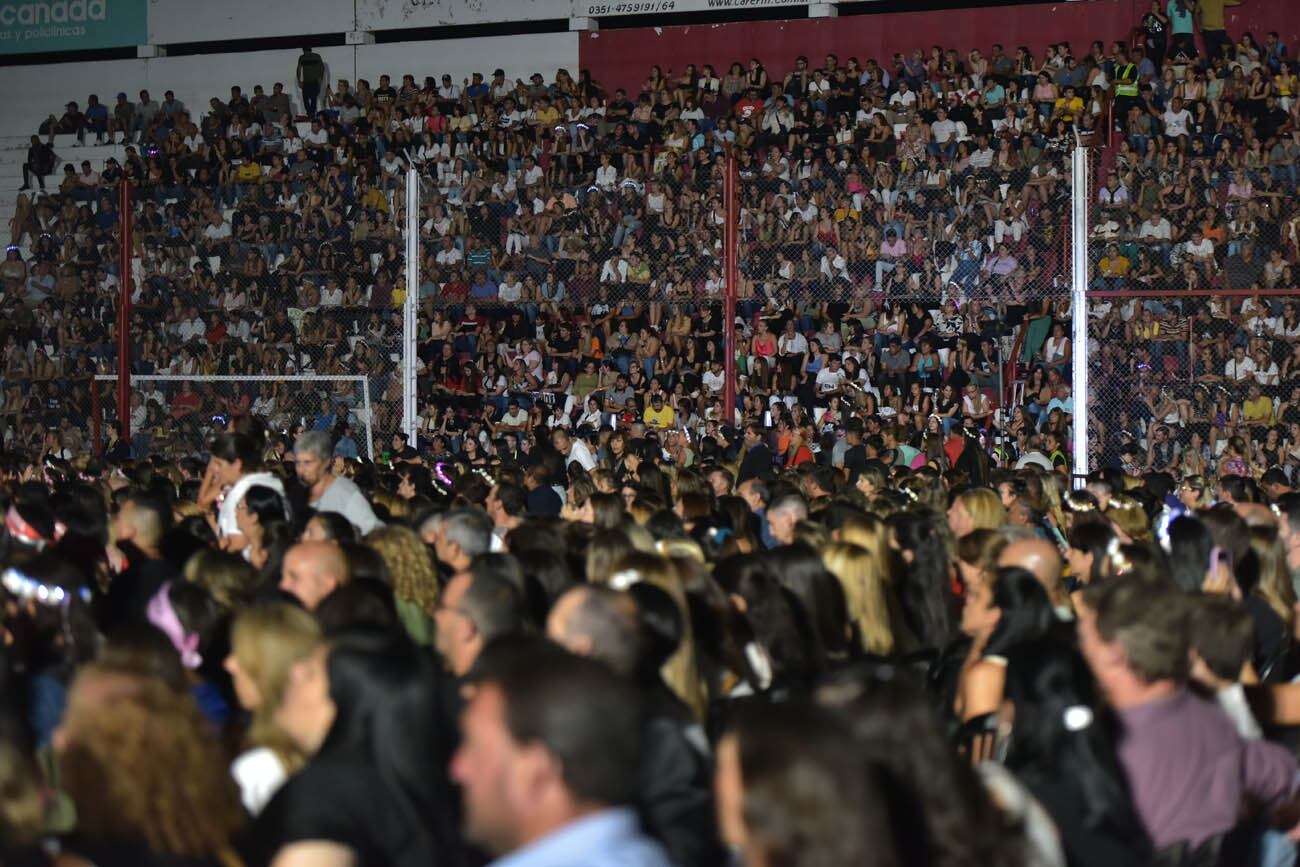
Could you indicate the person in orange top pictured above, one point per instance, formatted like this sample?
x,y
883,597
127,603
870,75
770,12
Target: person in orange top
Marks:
x,y
797,452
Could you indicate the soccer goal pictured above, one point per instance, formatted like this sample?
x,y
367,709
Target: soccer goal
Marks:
x,y
177,414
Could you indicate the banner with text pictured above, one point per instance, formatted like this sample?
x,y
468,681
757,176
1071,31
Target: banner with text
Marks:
x,y
601,8
31,26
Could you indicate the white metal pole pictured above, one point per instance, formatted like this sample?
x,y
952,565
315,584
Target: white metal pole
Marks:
x,y
370,418
410,407
1079,199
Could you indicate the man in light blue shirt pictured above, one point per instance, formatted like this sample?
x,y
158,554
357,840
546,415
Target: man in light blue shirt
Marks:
x,y
549,744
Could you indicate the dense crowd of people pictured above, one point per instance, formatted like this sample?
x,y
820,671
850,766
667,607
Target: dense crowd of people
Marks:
x,y
284,657
903,239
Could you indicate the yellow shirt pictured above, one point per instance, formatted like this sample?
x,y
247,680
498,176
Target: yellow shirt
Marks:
x,y
661,419
1116,267
1258,410
374,199
548,116
249,172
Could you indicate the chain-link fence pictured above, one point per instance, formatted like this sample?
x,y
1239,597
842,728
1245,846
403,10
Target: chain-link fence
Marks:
x,y
1197,383
569,278
274,266
1192,308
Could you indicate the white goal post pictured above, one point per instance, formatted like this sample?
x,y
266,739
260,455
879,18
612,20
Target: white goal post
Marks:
x,y
313,392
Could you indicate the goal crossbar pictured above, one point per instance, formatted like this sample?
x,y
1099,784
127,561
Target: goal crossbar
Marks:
x,y
366,416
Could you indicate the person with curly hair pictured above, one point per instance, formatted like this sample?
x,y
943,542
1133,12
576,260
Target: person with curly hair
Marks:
x,y
415,580
149,781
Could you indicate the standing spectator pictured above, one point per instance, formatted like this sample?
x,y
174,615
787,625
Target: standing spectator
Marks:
x,y
1181,41
40,162
309,75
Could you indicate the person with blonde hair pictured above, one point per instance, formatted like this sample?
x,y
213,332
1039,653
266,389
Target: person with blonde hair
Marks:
x,y
229,578
976,509
415,580
265,642
681,672
863,575
1129,519
149,781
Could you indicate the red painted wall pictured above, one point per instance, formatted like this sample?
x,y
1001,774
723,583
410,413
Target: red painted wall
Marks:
x,y
622,58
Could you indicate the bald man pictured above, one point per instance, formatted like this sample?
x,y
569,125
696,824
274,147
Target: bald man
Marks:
x,y
313,570
595,621
1040,557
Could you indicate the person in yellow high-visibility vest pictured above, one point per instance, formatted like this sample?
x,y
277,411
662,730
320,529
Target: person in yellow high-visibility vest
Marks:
x,y
1126,86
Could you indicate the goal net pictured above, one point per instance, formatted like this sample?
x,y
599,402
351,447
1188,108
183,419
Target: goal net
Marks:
x,y
176,415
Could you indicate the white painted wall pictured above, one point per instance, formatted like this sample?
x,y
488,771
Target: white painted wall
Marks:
x,y
197,21
37,91
393,14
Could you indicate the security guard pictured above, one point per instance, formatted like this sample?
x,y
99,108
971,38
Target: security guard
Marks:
x,y
1126,86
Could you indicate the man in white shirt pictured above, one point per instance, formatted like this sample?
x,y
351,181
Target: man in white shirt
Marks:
x,y
449,91
903,100
326,492
1156,232
715,378
1199,249
830,379
1240,367
982,156
1176,120
575,451
943,135
449,254
316,137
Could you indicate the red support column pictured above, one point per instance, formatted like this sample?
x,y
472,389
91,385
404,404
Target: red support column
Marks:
x,y
124,316
732,280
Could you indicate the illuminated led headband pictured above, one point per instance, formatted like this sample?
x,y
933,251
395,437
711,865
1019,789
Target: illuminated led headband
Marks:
x,y
25,588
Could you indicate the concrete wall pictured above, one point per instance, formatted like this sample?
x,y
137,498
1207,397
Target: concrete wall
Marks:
x,y
36,91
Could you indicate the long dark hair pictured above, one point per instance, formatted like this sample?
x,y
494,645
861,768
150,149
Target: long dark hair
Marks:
x,y
388,715
1026,610
923,587
1062,737
272,511
776,618
939,812
1190,546
807,800
800,571
1095,538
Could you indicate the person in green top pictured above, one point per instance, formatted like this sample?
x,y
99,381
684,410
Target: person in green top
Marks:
x,y
414,579
309,74
1180,28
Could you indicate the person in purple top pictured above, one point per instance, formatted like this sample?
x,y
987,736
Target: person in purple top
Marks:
x,y
1192,776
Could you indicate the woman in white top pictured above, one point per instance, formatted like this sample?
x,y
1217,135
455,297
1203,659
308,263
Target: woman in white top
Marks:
x,y
265,642
1056,351
232,470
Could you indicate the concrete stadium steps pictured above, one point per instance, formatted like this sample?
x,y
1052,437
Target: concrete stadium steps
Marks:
x,y
13,153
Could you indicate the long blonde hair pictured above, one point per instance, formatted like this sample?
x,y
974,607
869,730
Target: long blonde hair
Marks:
x,y
861,573
266,640
985,508
1274,580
